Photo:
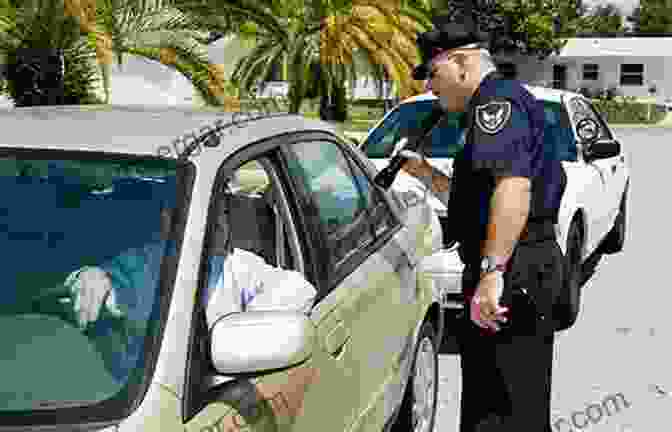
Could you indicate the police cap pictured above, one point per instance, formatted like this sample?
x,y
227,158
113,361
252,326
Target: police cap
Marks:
x,y
447,34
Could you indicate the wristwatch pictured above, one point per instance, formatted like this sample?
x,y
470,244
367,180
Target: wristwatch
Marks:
x,y
491,264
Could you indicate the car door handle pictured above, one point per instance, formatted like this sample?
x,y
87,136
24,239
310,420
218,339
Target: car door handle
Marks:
x,y
613,168
336,339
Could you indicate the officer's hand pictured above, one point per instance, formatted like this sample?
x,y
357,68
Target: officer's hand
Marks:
x,y
89,288
485,310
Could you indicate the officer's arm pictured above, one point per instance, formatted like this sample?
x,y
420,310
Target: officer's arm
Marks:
x,y
509,208
506,152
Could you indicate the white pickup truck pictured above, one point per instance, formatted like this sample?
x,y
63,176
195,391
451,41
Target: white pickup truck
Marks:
x,y
593,211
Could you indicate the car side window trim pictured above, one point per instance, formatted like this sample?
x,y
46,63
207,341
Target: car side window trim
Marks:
x,y
586,108
373,208
334,276
347,232
600,119
571,114
288,224
377,195
380,234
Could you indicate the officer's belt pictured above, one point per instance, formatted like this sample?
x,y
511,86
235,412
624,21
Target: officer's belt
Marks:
x,y
536,231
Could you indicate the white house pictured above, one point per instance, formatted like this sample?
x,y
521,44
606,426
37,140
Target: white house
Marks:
x,y
631,64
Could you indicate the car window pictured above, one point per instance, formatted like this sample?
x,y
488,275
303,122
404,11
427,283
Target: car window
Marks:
x,y
256,223
605,133
72,229
340,200
559,140
381,215
581,109
445,141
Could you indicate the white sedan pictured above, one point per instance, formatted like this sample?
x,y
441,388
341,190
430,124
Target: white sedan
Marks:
x,y
593,211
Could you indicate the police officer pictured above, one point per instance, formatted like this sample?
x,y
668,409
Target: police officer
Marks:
x,y
504,200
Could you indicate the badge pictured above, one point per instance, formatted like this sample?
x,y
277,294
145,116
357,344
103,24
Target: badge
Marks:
x,y
492,117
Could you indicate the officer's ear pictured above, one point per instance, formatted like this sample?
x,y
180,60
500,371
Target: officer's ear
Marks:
x,y
462,60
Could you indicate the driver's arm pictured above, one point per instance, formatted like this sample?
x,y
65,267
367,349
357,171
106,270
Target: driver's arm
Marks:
x,y
422,170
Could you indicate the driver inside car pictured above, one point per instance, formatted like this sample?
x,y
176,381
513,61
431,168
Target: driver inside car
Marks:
x,y
238,281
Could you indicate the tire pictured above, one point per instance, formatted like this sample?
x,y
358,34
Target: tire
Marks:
x,y
613,242
567,307
425,351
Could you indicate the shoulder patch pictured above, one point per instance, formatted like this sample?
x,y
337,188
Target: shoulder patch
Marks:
x,y
493,116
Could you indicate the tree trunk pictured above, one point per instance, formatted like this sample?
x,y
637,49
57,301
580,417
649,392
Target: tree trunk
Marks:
x,y
322,87
36,77
340,103
295,97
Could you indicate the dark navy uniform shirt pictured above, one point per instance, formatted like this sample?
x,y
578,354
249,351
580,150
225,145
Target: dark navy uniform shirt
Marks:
x,y
504,126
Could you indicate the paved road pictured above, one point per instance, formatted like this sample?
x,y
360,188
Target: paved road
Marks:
x,y
622,343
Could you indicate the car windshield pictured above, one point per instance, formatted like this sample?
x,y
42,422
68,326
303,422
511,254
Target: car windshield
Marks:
x,y
83,243
448,139
445,141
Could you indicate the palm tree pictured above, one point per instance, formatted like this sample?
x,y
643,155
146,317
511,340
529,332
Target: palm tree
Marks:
x,y
157,30
322,37
104,29
49,60
384,33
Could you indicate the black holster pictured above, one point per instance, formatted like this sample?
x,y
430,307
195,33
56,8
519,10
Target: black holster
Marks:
x,y
533,280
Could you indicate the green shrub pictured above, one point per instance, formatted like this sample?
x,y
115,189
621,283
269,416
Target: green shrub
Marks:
x,y
368,102
626,110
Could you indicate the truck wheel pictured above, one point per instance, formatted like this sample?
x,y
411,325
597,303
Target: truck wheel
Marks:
x,y
614,241
566,309
417,412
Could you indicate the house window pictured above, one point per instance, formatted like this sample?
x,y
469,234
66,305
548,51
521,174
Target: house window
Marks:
x,y
591,71
632,74
508,70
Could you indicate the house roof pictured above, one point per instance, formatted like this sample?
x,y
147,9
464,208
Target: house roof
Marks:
x,y
621,46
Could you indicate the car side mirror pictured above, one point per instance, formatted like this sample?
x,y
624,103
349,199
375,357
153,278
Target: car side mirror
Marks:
x,y
588,130
254,341
602,149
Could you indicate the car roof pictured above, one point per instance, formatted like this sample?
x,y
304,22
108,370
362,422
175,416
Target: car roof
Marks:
x,y
137,129
542,93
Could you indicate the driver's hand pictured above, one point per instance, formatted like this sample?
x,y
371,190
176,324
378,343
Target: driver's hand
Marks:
x,y
416,167
89,288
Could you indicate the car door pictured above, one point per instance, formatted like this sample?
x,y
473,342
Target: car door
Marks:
x,y
305,397
597,175
397,247
363,271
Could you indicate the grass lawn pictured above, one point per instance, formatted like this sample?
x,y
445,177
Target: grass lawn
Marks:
x,y
361,119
